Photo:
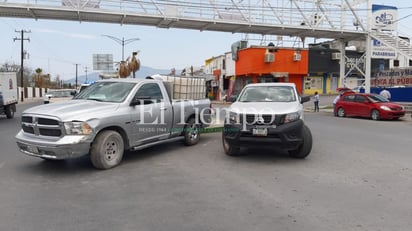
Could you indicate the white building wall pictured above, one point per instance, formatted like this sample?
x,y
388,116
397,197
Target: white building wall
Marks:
x,y
29,92
230,64
219,66
403,62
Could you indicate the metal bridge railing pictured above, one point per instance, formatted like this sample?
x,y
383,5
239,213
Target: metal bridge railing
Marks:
x,y
332,14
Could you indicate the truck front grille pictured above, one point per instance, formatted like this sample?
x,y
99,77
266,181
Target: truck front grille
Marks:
x,y
255,119
41,126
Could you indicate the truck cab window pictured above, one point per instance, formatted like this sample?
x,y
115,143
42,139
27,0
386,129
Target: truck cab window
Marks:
x,y
151,91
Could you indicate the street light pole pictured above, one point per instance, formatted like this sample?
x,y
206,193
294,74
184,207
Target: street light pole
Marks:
x,y
122,42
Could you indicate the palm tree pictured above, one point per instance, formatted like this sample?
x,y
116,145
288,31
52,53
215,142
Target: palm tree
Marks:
x,y
38,80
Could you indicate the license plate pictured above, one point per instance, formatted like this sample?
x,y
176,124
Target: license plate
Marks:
x,y
260,131
32,149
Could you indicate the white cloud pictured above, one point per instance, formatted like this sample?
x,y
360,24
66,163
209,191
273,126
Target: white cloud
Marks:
x,y
62,33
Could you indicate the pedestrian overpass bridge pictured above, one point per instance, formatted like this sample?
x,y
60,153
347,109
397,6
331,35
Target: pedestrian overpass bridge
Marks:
x,y
342,20
287,17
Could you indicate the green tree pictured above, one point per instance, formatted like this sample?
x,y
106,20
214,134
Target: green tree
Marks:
x,y
38,79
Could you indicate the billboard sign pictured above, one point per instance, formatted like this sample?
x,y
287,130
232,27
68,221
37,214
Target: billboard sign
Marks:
x,y
384,17
103,62
395,77
381,51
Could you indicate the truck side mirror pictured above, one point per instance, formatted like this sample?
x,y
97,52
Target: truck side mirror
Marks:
x,y
141,100
304,99
233,98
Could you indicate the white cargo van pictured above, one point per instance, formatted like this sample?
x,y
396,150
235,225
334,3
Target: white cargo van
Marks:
x,y
8,93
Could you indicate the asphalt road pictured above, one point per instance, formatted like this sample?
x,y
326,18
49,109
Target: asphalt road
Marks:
x,y
358,177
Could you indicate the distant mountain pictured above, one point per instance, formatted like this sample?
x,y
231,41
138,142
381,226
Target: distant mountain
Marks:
x,y
140,74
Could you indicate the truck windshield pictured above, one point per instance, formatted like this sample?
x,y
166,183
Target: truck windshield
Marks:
x,y
268,94
106,91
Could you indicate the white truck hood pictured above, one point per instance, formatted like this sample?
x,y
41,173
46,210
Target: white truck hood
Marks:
x,y
266,107
74,109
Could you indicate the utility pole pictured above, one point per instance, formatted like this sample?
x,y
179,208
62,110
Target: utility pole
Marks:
x,y
22,57
85,70
77,65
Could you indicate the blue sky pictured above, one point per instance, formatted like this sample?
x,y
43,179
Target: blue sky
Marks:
x,y
55,46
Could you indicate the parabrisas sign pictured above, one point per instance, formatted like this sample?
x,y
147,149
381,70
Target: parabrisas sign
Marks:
x,y
384,17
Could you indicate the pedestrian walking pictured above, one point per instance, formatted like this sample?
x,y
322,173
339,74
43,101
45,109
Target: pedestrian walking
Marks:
x,y
385,93
316,101
334,103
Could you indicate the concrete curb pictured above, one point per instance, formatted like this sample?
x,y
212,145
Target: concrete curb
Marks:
x,y
213,129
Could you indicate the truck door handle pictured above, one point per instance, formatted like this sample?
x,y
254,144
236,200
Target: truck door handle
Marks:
x,y
163,108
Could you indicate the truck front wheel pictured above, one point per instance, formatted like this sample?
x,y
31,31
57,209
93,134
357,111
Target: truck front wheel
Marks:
x,y
304,149
107,150
191,132
229,149
9,111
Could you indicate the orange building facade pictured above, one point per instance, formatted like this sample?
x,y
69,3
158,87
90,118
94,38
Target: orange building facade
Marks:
x,y
269,64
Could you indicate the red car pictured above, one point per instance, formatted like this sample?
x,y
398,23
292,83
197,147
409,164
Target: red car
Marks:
x,y
371,106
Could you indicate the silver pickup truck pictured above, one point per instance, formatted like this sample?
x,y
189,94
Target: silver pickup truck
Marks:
x,y
109,117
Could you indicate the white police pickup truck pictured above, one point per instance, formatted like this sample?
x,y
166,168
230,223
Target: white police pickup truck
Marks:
x,y
111,116
267,115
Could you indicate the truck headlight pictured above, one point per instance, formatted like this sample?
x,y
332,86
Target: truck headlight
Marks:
x,y
233,118
77,128
292,117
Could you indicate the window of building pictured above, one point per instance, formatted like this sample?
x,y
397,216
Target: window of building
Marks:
x,y
313,83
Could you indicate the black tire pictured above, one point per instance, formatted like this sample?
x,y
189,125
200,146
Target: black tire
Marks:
x,y
375,115
9,111
341,112
306,147
230,150
107,150
191,133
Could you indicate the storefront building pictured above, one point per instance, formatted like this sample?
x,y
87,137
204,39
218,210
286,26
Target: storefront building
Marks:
x,y
258,64
315,69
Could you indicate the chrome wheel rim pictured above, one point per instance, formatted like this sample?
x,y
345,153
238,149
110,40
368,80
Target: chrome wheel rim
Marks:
x,y
111,150
341,112
375,115
193,132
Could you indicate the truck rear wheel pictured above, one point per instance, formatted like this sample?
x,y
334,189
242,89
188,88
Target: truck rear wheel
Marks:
x,y
191,132
229,149
304,149
9,111
107,150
